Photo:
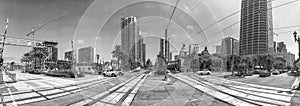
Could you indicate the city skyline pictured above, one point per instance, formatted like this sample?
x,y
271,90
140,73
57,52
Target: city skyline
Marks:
x,y
68,25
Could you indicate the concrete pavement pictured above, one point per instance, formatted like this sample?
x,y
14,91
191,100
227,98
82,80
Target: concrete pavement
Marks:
x,y
255,94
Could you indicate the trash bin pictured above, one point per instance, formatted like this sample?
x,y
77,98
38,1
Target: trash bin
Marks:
x,y
13,77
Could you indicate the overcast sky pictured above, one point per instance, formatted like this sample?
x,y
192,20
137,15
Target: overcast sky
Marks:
x,y
97,23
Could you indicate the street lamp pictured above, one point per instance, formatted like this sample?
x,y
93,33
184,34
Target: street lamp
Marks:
x,y
295,35
298,41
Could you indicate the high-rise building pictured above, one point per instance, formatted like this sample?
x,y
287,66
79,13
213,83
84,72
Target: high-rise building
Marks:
x,y
281,49
219,49
290,59
68,55
162,47
170,56
139,49
256,28
86,55
275,47
129,36
229,46
144,53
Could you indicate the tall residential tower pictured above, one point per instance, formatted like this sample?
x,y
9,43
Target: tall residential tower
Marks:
x,y
256,29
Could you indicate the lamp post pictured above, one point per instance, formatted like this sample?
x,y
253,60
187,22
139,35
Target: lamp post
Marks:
x,y
297,39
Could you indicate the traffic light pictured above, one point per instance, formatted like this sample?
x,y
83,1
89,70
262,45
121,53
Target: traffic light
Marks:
x,y
1,61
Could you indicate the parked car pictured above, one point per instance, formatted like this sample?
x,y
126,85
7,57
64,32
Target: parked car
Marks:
x,y
275,72
264,73
248,73
119,72
204,72
111,73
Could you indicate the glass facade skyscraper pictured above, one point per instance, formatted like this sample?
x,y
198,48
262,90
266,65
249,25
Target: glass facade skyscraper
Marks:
x,y
256,28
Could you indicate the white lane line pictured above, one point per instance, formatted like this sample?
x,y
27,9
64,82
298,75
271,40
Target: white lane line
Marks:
x,y
99,104
128,100
110,97
11,96
81,103
117,98
250,95
132,94
227,98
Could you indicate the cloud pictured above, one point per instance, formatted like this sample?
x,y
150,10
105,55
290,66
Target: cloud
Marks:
x,y
144,33
188,10
189,27
80,41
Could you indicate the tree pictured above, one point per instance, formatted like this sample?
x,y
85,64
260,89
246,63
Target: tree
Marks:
x,y
233,62
117,53
269,60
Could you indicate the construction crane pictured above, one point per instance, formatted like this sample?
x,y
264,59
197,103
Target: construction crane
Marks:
x,y
44,24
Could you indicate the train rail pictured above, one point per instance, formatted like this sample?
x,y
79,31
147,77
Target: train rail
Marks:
x,y
42,94
122,94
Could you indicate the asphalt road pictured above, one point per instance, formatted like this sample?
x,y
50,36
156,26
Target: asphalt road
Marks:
x,y
281,80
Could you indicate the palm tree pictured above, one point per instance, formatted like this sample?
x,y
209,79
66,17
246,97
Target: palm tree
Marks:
x,y
269,60
117,53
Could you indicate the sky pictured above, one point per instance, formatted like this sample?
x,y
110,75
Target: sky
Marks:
x,y
96,23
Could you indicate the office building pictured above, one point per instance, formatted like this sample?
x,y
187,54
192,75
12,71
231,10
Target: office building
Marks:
x,y
86,55
256,28
229,46
132,41
219,49
86,60
144,54
129,34
69,55
290,59
281,49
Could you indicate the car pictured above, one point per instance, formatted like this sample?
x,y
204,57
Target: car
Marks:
x,y
255,71
204,72
111,73
119,72
275,72
248,73
264,73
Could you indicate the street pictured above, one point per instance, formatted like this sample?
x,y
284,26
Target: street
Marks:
x,y
39,90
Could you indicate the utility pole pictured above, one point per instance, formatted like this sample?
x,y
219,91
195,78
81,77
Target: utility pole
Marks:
x,y
4,37
2,49
73,57
166,53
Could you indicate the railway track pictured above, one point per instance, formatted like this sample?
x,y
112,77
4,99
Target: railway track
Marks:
x,y
42,94
122,94
253,94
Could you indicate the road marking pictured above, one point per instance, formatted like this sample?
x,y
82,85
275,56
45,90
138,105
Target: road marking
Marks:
x,y
99,104
12,98
81,103
128,100
227,98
